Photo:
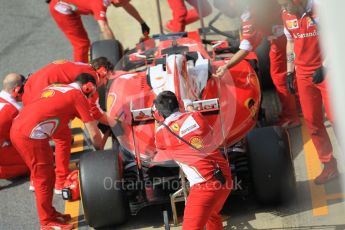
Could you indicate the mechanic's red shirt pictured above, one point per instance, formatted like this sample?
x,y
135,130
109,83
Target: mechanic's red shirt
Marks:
x,y
255,26
97,8
198,165
60,71
304,32
50,115
9,109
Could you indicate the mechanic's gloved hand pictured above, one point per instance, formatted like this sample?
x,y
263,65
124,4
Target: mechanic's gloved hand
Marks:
x,y
318,75
291,82
145,29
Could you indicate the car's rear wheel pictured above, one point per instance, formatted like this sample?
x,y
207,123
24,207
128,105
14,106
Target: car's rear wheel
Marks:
x,y
271,165
104,202
111,49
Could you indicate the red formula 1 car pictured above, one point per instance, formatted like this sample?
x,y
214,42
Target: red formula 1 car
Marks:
x,y
118,182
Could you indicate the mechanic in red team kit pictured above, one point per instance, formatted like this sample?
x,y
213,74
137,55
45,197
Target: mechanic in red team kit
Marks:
x,y
66,72
187,139
257,22
183,17
304,60
31,131
11,164
67,15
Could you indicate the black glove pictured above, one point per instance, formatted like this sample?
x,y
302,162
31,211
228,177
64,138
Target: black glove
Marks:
x,y
144,28
291,82
318,75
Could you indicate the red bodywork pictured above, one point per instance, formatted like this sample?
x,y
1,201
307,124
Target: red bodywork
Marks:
x,y
238,94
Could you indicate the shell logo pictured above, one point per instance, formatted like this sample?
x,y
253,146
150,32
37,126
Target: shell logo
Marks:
x,y
292,24
196,142
47,93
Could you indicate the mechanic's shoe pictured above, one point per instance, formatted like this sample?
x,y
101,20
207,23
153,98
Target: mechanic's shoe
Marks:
x,y
31,187
329,172
56,225
63,218
288,123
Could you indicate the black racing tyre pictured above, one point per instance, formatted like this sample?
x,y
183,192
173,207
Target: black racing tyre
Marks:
x,y
262,52
103,200
271,165
112,50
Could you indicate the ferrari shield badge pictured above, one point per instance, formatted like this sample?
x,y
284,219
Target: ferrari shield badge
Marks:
x,y
175,127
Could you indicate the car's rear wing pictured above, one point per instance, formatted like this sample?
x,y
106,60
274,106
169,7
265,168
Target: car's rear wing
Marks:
x,y
145,114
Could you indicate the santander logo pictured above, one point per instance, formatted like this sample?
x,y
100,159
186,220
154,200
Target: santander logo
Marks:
x,y
306,35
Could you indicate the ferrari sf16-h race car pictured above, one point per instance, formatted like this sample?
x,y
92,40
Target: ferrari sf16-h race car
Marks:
x,y
117,182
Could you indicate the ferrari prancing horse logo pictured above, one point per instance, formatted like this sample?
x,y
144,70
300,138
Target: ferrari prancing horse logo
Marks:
x,y
175,127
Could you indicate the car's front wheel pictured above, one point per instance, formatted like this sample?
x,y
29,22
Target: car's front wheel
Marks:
x,y
104,202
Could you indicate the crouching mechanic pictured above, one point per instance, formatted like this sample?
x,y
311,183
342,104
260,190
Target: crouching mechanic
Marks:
x,y
187,139
67,15
66,72
31,131
11,164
